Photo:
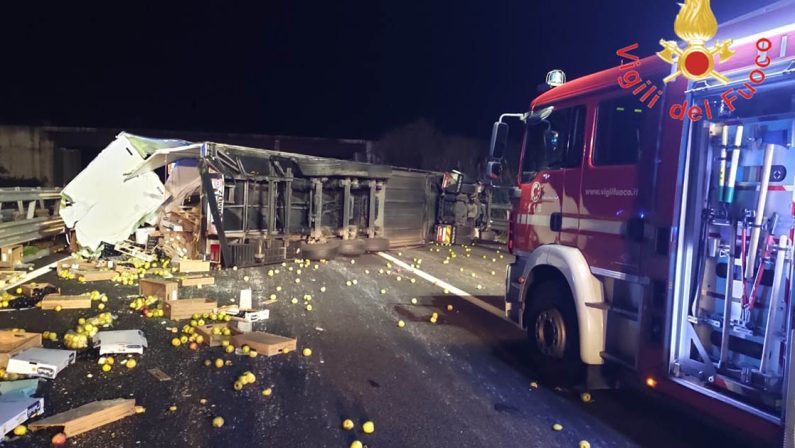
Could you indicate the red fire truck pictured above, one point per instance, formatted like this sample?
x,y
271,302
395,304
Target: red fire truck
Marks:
x,y
654,244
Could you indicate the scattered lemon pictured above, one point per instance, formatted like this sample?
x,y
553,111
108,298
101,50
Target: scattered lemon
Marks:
x,y
449,307
585,444
368,427
218,422
230,348
219,363
131,363
172,408
309,307
140,409
20,430
585,397
533,385
307,351
176,342
401,324
267,392
238,385
557,427
413,300
58,308
356,444
106,368
347,424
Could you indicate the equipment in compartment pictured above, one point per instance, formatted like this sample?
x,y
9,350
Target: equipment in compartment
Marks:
x,y
739,316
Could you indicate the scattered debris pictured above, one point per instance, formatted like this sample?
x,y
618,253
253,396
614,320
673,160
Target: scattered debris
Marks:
x,y
87,417
159,374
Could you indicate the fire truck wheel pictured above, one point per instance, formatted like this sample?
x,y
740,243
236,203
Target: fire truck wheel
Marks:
x,y
554,334
376,244
352,248
326,251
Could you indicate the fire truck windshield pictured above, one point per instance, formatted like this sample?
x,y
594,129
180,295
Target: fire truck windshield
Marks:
x,y
550,143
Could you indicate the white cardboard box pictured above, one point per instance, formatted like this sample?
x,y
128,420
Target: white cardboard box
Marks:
x,y
43,362
16,411
120,341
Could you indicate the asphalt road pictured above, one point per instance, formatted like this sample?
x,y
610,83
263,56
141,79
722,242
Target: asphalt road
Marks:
x,y
462,382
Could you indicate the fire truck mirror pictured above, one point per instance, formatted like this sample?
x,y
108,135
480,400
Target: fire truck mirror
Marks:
x,y
499,140
494,170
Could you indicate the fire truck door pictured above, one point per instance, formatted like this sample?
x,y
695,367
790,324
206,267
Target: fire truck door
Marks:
x,y
611,211
539,218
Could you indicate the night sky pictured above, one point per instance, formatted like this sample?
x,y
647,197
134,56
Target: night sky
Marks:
x,y
324,68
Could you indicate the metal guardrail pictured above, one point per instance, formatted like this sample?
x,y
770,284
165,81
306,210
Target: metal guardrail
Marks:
x,y
29,214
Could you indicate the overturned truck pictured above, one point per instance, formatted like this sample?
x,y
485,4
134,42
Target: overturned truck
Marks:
x,y
243,206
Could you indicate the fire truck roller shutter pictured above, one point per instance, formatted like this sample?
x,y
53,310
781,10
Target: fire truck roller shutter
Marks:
x,y
585,290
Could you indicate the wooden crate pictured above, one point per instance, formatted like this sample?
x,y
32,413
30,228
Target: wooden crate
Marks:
x,y
87,417
95,275
10,256
12,343
214,340
51,301
164,289
265,343
186,265
196,281
186,308
33,288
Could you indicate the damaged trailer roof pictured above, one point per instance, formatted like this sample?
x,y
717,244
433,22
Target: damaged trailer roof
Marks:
x,y
231,159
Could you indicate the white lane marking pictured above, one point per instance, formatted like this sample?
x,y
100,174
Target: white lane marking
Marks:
x,y
444,285
35,274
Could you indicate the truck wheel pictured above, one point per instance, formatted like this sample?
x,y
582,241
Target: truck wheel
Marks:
x,y
376,244
554,334
325,251
352,248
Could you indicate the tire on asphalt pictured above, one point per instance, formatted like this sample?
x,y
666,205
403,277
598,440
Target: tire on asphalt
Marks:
x,y
377,244
352,248
554,334
325,251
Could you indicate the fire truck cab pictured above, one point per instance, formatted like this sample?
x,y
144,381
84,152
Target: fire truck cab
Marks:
x,y
658,244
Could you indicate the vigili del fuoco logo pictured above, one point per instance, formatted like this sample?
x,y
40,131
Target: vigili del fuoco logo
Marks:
x,y
695,25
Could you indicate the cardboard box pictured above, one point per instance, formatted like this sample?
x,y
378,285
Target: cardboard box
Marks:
x,y
43,362
51,301
186,265
10,256
120,341
214,340
12,343
186,308
18,410
196,281
164,289
265,343
251,315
